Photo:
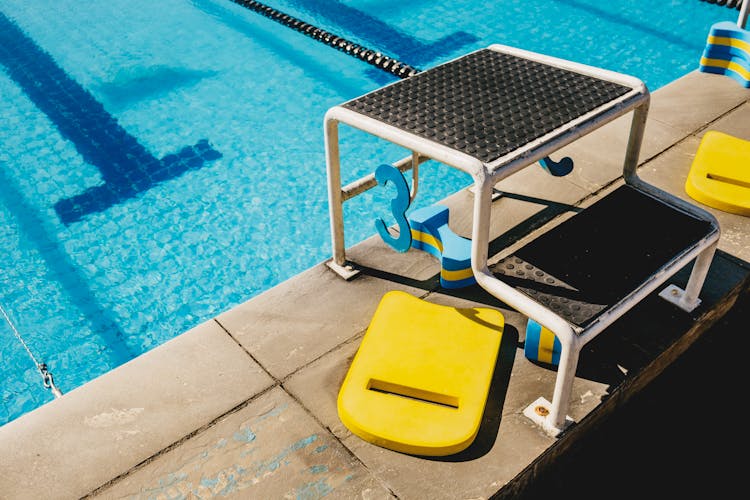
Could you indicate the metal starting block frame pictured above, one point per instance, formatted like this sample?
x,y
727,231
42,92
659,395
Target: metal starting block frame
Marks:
x,y
492,113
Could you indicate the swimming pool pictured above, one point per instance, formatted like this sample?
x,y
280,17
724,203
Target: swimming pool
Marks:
x,y
161,162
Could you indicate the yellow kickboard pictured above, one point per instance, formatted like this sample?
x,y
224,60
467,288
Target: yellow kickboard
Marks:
x,y
419,382
720,174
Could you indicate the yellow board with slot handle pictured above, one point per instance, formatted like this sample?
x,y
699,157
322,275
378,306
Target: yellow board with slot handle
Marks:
x,y
720,174
419,381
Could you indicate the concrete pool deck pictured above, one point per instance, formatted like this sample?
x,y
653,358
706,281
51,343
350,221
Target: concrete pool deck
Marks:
x,y
244,405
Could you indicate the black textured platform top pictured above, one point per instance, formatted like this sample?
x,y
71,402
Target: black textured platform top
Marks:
x,y
487,103
590,262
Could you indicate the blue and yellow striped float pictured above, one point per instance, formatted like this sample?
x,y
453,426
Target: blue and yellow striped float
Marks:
x,y
727,52
430,233
541,344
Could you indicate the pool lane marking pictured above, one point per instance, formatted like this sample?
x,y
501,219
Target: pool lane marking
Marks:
x,y
126,167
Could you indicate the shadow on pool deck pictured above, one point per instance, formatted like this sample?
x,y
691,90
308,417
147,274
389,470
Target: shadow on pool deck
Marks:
x,y
245,405
671,439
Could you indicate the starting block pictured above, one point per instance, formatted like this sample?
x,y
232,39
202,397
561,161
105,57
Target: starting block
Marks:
x,y
419,382
720,174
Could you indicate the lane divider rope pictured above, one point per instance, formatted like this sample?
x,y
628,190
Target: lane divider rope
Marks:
x,y
732,4
369,56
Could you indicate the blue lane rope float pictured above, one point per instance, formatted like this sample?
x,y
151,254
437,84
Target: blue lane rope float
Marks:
x,y
541,344
727,49
727,52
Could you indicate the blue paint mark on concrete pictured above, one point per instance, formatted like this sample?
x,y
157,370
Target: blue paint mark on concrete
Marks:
x,y
166,494
231,486
126,167
304,442
318,469
229,481
278,410
172,478
209,483
313,490
244,436
321,448
223,484
275,462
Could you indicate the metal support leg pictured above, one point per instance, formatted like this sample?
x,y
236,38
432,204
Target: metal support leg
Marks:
x,y
557,420
698,275
551,417
335,202
633,151
688,299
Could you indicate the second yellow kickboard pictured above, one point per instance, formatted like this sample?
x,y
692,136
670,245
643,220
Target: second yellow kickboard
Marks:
x,y
720,174
419,382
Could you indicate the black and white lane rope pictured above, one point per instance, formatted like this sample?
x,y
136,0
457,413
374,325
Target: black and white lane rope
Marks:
x,y
369,56
732,4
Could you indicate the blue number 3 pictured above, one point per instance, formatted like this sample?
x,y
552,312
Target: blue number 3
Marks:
x,y
399,205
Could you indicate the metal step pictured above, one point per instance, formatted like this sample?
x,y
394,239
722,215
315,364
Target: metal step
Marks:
x,y
593,260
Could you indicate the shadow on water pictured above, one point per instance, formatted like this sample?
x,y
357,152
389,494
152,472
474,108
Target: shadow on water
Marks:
x,y
385,38
329,76
635,24
137,83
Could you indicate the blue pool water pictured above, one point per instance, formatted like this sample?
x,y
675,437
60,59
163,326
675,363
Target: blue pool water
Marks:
x,y
161,162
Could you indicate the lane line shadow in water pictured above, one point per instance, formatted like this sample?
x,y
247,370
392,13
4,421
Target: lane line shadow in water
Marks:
x,y
383,35
35,230
126,167
135,84
624,21
324,74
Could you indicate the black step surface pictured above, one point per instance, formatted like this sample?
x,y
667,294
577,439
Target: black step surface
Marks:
x,y
487,103
591,261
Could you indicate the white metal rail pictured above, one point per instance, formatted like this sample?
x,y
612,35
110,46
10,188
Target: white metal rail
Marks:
x,y
486,175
